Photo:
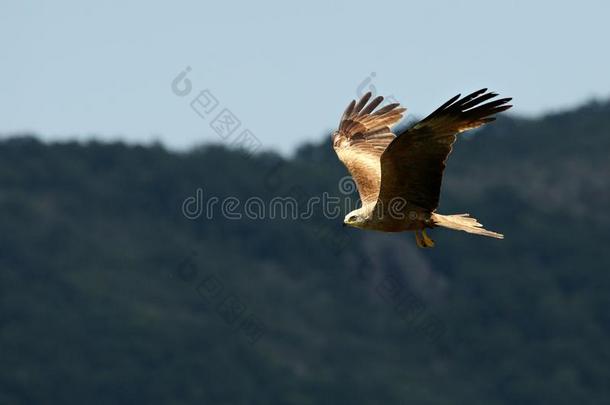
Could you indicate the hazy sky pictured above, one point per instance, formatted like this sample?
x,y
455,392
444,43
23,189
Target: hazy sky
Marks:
x,y
286,71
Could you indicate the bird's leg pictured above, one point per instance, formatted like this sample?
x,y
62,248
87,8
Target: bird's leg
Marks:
x,y
419,240
427,241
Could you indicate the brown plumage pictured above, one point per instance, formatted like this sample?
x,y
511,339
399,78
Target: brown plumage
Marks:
x,y
399,177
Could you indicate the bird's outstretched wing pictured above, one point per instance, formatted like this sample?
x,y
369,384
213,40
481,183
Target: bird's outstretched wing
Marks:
x,y
412,165
361,138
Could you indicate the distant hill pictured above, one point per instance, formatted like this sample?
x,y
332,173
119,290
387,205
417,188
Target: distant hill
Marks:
x,y
109,294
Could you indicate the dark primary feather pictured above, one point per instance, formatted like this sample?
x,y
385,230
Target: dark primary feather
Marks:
x,y
412,165
372,105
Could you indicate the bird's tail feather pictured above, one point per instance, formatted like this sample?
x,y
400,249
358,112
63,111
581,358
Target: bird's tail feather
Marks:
x,y
463,222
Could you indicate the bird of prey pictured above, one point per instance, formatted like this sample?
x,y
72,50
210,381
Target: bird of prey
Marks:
x,y
399,176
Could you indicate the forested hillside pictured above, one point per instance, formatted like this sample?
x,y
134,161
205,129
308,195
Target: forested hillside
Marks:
x,y
110,294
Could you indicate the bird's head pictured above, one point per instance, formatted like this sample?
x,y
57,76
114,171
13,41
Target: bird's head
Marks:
x,y
355,219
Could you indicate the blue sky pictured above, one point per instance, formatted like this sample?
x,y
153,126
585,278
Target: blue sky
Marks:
x,y
69,70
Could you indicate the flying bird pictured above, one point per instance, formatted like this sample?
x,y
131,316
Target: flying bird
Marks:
x,y
398,176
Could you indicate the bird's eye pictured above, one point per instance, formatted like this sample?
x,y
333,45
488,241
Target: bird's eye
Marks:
x,y
352,218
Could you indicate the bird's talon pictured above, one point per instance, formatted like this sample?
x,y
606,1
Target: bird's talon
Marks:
x,y
419,240
428,242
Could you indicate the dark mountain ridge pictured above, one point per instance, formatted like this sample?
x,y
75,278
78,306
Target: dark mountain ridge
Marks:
x,y
110,294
